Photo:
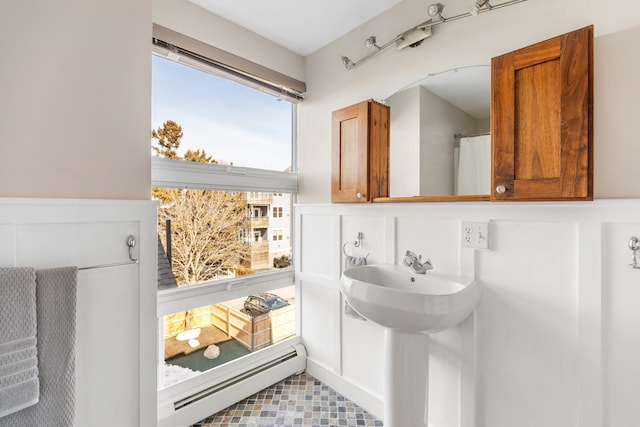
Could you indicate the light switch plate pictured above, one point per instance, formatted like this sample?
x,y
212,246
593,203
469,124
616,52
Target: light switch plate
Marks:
x,y
475,235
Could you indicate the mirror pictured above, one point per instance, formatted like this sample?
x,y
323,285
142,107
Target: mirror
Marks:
x,y
439,135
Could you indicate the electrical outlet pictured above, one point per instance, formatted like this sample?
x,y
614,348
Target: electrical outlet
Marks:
x,y
475,235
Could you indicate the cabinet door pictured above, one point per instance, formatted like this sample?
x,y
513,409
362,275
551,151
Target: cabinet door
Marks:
x,y
542,120
350,158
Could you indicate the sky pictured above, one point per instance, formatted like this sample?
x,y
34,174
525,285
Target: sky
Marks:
x,y
230,121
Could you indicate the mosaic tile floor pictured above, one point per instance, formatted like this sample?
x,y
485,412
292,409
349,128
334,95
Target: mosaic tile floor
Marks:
x,y
298,401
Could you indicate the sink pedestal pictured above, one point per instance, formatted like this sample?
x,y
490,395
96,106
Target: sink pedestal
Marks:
x,y
409,306
406,378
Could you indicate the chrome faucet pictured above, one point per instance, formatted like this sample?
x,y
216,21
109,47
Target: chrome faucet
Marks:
x,y
414,262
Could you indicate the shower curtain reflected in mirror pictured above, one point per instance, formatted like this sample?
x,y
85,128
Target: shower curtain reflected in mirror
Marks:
x,y
472,165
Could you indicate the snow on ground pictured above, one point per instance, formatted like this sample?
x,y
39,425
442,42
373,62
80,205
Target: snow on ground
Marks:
x,y
174,374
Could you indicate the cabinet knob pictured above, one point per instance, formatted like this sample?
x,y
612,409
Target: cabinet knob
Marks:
x,y
359,195
501,189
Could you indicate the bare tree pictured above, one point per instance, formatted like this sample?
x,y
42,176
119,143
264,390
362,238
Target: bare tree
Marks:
x,y
206,225
205,229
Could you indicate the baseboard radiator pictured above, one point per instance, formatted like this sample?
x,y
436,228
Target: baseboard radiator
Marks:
x,y
186,409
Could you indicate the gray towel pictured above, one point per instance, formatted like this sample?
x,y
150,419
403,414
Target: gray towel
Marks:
x,y
19,386
354,261
56,310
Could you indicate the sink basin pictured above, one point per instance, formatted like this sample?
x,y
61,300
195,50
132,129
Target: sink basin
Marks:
x,y
394,297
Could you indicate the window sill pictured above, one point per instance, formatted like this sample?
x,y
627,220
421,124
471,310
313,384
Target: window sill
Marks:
x,y
187,297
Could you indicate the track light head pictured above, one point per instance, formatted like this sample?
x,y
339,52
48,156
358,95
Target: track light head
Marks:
x,y
435,9
475,9
370,42
348,64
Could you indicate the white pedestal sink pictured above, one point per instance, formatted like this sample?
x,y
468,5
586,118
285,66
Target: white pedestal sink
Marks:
x,y
410,307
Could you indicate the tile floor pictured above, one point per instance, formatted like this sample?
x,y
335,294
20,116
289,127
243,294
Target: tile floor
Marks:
x,y
298,401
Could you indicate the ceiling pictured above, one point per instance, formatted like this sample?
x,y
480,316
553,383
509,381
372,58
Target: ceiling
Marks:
x,y
301,26
286,23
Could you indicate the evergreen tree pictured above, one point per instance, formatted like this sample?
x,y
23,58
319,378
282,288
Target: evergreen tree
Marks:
x,y
168,136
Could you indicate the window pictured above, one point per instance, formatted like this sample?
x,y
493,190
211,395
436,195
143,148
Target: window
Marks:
x,y
223,152
205,337
212,217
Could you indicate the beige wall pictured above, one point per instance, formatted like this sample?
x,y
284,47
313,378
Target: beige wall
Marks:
x,y
617,91
74,99
471,42
75,82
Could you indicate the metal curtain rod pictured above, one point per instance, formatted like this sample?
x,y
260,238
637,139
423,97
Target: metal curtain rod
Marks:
x,y
131,242
460,135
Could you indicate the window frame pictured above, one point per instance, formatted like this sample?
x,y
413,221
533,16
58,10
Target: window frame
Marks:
x,y
166,173
170,173
277,211
277,232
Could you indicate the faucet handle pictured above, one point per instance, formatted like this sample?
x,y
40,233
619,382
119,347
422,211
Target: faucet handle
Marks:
x,y
408,258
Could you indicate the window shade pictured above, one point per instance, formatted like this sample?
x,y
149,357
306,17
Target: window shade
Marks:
x,y
197,54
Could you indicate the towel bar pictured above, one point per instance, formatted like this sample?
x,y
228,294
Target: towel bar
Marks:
x,y
131,243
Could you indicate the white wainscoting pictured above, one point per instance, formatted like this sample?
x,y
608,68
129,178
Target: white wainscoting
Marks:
x,y
116,306
555,340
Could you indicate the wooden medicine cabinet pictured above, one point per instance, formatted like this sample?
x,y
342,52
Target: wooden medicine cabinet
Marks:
x,y
542,120
360,153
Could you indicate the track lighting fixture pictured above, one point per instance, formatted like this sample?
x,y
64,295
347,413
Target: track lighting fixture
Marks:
x,y
414,36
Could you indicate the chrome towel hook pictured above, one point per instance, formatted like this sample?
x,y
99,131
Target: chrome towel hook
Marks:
x,y
634,245
131,242
356,243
